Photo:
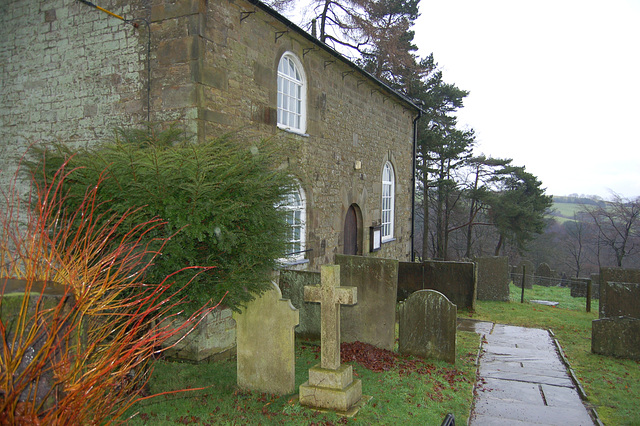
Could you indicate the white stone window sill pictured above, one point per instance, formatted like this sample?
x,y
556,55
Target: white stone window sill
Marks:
x,y
291,130
388,240
287,263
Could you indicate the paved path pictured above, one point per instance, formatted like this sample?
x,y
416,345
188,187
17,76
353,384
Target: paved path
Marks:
x,y
522,380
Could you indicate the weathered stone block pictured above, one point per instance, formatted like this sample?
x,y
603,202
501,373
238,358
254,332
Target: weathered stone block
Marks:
x,y
493,278
618,336
214,336
377,283
292,285
617,275
333,399
339,378
428,326
456,280
622,299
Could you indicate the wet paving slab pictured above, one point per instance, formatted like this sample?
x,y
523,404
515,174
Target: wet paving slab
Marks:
x,y
522,380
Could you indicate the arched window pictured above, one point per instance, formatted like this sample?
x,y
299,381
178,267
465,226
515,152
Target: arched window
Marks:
x,y
292,94
388,201
296,208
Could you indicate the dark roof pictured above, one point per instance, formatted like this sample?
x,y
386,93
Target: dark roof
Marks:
x,y
290,25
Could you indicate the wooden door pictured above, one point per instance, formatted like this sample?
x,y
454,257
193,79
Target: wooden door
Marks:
x,y
351,232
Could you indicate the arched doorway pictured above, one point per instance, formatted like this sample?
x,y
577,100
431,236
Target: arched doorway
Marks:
x,y
352,235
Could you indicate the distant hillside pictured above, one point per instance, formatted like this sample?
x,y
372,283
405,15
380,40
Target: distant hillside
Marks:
x,y
564,207
578,199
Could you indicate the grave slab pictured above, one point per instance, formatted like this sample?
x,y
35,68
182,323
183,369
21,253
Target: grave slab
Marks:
x,y
427,326
377,283
619,301
616,337
265,344
493,278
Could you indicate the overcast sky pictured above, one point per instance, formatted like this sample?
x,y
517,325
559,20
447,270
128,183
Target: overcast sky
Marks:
x,y
554,84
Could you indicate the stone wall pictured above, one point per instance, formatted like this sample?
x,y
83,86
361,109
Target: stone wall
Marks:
x,y
69,73
73,73
456,280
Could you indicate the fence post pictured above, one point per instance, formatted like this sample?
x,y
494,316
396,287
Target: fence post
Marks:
x,y
589,296
523,275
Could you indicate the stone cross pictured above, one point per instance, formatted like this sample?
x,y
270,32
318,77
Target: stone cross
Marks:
x,y
330,296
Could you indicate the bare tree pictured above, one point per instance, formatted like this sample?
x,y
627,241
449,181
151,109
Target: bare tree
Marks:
x,y
576,243
618,225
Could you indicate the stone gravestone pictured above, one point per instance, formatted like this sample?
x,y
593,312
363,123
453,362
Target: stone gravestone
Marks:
x,y
428,326
543,275
292,284
622,299
618,336
37,297
617,275
265,344
579,287
456,280
528,274
493,278
213,338
331,385
377,283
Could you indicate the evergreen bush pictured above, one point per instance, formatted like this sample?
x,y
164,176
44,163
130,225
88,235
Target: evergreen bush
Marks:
x,y
219,201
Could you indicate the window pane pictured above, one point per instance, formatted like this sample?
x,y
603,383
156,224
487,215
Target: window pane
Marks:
x,y
291,93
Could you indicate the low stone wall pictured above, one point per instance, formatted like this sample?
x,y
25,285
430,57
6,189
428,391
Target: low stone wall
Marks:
x,y
456,280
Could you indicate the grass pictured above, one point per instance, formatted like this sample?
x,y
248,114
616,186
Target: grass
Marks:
x,y
612,385
565,211
415,391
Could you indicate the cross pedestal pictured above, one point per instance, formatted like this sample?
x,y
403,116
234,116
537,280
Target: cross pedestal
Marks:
x,y
331,385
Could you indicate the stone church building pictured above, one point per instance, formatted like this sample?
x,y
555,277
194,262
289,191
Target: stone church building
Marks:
x,y
72,72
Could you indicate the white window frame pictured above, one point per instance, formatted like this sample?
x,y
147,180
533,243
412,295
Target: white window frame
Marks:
x,y
292,94
297,218
387,211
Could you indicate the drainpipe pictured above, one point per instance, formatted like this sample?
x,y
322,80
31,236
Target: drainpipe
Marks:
x,y
413,179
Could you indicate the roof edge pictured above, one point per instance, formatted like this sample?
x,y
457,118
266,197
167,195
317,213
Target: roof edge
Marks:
x,y
290,25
